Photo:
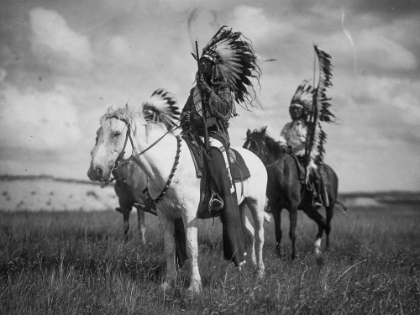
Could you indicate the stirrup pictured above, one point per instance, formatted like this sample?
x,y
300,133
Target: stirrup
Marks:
x,y
215,204
317,202
317,205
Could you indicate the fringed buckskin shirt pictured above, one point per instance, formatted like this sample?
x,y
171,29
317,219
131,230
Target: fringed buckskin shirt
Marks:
x,y
294,133
219,106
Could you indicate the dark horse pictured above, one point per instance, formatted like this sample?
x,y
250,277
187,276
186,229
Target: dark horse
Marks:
x,y
286,191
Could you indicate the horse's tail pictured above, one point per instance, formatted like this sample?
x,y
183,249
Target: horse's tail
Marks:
x,y
343,208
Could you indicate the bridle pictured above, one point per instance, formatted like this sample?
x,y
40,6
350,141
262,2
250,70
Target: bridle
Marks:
x,y
272,164
265,153
121,161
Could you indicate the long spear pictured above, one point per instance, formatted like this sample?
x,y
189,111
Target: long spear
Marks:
x,y
320,111
203,108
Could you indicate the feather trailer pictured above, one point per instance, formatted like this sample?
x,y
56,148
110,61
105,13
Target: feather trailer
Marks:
x,y
235,62
320,112
161,107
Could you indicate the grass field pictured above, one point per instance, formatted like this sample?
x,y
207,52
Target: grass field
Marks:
x,y
77,263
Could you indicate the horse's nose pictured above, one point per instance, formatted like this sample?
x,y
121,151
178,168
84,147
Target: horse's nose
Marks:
x,y
95,173
99,172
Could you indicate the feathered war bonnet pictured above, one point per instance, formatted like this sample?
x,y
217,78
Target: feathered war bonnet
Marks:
x,y
161,107
303,97
234,62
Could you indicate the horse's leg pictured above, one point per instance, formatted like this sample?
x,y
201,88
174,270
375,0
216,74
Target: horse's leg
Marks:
x,y
126,219
319,219
141,225
191,232
256,208
276,212
293,209
249,236
181,244
330,213
168,226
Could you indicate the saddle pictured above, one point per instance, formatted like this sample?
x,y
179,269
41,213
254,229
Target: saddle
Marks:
x,y
299,165
322,178
239,173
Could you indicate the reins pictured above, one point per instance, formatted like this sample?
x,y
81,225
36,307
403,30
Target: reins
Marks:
x,y
120,159
264,151
274,163
168,182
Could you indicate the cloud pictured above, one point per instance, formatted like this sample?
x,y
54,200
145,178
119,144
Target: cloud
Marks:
x,y
120,50
378,51
376,110
56,44
37,120
256,25
389,8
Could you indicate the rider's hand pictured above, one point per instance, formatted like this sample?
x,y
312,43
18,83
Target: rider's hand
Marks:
x,y
186,117
202,85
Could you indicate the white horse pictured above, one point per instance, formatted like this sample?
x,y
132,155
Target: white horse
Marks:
x,y
172,181
130,181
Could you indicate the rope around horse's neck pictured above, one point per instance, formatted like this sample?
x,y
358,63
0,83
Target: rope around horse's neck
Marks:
x,y
120,161
133,156
168,182
152,145
272,164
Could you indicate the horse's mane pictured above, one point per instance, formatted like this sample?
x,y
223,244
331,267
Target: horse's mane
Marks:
x,y
129,114
266,142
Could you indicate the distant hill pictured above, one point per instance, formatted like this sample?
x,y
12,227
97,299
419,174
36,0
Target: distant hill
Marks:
x,y
49,193
40,177
393,196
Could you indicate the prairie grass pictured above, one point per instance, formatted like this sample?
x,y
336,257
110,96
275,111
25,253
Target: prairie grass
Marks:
x,y
77,263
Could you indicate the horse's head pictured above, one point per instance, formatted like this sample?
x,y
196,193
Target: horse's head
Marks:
x,y
118,126
263,146
111,140
256,143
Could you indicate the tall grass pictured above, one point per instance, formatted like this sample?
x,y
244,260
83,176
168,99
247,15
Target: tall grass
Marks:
x,y
77,263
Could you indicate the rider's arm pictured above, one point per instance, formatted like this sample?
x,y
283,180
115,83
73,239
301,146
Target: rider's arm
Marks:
x,y
285,132
220,103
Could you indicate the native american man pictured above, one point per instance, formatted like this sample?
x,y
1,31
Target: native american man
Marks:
x,y
294,133
225,68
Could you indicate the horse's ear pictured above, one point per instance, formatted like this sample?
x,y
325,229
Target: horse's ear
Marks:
x,y
248,133
264,129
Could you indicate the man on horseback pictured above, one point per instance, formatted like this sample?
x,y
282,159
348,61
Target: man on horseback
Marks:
x,y
294,135
224,67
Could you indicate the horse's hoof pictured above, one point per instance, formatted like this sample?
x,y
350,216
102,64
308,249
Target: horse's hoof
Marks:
x,y
194,289
278,251
165,286
259,273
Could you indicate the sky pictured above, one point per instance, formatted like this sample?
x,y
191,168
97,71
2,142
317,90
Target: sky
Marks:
x,y
63,63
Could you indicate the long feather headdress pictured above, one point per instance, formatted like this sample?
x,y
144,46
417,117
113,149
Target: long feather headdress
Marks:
x,y
235,62
161,107
316,137
303,96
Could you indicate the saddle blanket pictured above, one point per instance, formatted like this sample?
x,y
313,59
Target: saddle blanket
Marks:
x,y
239,170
